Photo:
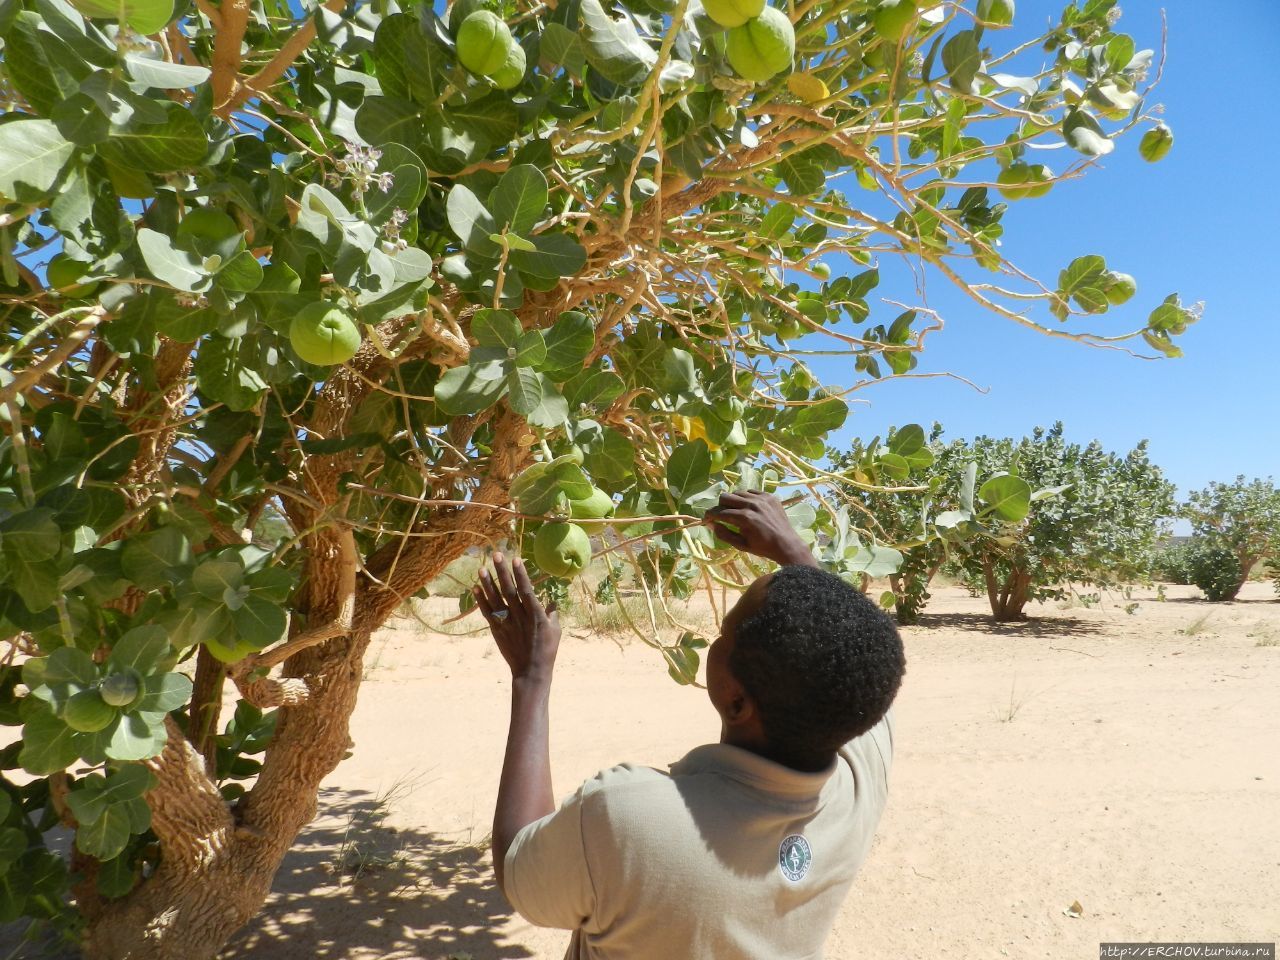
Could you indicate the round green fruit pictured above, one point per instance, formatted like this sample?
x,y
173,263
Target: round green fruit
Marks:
x,y
732,13
723,116
762,47
228,653
463,9
892,19
64,275
1039,180
484,43
562,549
789,329
821,270
595,506
1120,288
120,689
87,712
511,74
1013,181
324,334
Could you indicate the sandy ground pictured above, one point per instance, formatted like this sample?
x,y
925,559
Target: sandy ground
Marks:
x,y
1129,762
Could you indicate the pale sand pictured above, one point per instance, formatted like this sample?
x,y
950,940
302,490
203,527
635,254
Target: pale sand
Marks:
x,y
1139,775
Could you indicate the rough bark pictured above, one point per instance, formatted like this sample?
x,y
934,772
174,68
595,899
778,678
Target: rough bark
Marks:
x,y
218,863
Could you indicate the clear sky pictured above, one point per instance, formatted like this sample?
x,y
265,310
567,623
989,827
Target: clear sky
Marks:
x,y
1205,222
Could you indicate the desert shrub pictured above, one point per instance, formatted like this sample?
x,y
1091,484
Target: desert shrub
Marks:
x,y
1172,563
1214,569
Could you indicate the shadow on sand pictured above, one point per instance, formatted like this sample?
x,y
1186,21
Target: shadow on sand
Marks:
x,y
1047,627
354,887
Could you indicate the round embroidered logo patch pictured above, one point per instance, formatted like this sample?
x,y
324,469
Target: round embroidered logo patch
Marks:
x,y
794,857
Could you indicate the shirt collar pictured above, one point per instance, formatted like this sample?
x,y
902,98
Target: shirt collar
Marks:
x,y
753,770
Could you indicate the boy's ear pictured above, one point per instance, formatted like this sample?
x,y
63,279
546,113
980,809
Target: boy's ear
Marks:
x,y
741,708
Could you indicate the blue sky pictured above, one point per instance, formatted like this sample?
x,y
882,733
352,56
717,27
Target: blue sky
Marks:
x,y
1205,222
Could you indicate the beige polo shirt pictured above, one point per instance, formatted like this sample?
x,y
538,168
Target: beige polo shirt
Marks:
x,y
729,856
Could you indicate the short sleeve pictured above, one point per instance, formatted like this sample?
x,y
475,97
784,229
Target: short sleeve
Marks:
x,y
545,870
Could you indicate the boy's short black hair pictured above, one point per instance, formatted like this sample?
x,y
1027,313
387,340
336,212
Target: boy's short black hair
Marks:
x,y
821,661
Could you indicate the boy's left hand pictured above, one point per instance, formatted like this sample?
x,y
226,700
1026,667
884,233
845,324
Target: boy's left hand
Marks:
x,y
528,634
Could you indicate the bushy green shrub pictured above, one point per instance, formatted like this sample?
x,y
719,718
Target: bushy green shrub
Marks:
x,y
1172,563
1214,569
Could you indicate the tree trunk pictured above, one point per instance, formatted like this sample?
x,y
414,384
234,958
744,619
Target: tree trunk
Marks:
x,y
1246,562
1013,597
217,864
993,591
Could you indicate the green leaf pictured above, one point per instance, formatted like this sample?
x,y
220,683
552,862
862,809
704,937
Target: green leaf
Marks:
x,y
176,142
561,45
777,221
689,468
472,223
407,188
568,343
226,371
819,419
213,578
540,486
519,198
33,157
874,560
149,559
614,47
408,63
165,692
42,67
106,836
612,457
13,842
162,74
463,391
145,16
594,388
260,622
31,536
116,877
557,255
170,264
48,744
1084,133
535,396
496,328
139,736
140,649
682,663
1156,143
385,120
907,440
241,274
70,664
803,177
1008,497
962,59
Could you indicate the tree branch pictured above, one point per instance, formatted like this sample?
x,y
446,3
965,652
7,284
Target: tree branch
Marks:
x,y
72,342
188,813
233,18
276,67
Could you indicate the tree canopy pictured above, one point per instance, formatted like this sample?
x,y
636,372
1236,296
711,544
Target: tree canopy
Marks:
x,y
402,289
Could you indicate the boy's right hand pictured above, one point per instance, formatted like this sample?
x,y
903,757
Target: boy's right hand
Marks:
x,y
761,526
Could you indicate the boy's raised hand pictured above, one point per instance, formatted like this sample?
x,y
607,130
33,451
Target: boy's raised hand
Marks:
x,y
527,633
758,524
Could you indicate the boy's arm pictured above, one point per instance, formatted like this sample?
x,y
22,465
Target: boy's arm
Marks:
x,y
528,637
757,523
